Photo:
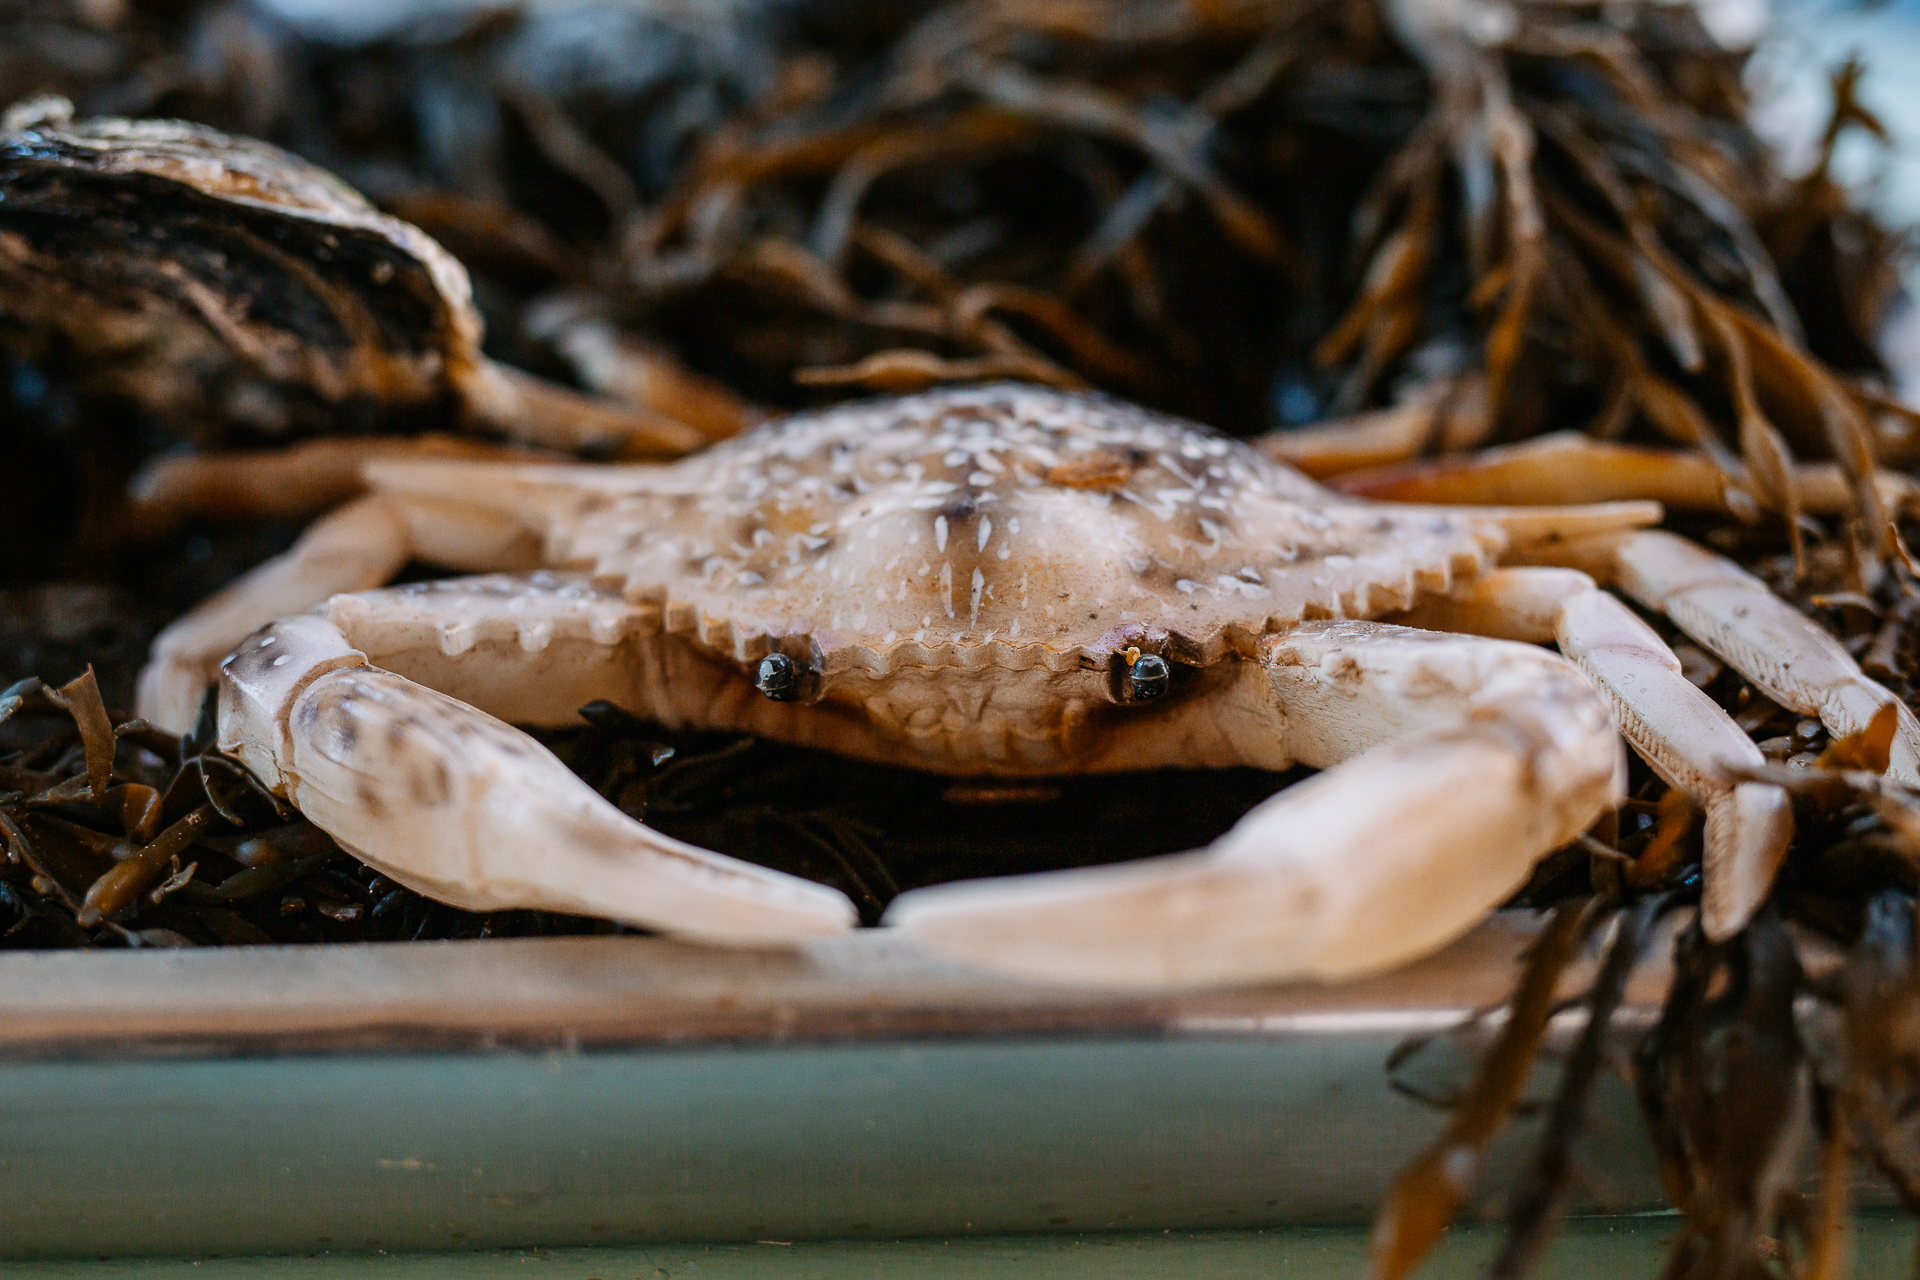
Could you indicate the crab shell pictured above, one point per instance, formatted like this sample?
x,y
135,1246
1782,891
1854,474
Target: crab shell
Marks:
x,y
960,578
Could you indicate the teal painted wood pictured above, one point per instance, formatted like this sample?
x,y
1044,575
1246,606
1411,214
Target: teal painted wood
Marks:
x,y
1588,1249
360,1098
437,1151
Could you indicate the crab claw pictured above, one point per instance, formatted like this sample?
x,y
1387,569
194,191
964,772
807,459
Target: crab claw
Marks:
x,y
1456,762
468,810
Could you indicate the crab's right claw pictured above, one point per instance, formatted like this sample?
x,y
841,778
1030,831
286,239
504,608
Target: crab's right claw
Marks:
x,y
470,811
1452,764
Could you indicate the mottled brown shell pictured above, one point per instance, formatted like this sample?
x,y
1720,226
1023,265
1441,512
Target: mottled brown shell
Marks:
x,y
1002,525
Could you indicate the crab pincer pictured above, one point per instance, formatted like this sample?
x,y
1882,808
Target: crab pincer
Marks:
x,y
1451,764
469,810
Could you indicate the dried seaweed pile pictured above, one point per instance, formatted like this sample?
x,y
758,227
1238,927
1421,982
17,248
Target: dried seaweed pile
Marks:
x,y
1446,226
1255,213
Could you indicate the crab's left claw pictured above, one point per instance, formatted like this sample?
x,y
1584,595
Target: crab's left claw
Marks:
x,y
468,810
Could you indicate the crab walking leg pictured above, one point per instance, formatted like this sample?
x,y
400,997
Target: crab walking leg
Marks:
x,y
470,811
297,482
1681,732
1792,659
361,545
1569,467
1452,764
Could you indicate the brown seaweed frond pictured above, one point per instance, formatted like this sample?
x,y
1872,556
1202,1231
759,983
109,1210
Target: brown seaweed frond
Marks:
x,y
1131,121
1542,1196
1430,1191
1635,255
1724,1087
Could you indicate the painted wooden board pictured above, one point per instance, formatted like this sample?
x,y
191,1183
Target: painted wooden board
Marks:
x,y
620,1090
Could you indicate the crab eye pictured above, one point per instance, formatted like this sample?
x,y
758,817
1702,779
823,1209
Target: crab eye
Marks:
x,y
1147,677
777,678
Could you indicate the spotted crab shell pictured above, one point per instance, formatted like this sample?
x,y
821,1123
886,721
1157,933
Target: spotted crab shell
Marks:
x,y
1003,525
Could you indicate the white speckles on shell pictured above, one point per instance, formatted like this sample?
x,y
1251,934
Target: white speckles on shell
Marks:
x,y
875,517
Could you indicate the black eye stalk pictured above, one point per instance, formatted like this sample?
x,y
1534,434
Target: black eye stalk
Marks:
x,y
1146,678
778,678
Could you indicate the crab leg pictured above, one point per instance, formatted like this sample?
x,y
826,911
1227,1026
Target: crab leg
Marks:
x,y
361,545
1788,656
1681,732
1567,467
1452,764
1448,413
297,482
467,809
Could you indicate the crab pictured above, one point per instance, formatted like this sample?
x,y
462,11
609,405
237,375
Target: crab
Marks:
x,y
1009,581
